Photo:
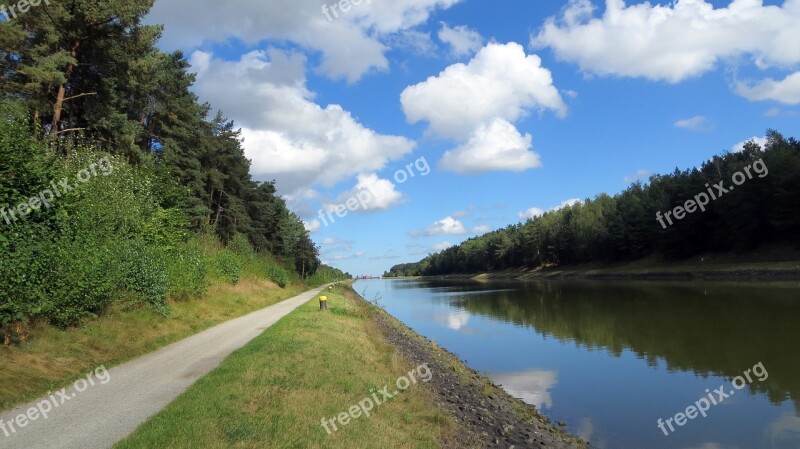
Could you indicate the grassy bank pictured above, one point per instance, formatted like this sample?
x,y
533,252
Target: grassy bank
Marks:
x,y
275,391
53,357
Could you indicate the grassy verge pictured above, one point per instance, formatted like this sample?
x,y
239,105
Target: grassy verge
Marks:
x,y
275,391
53,357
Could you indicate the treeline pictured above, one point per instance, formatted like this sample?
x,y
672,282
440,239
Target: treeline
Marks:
x,y
162,199
626,227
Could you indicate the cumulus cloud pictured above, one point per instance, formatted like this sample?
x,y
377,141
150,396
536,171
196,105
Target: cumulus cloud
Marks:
x,y
351,45
498,146
739,147
377,193
672,42
312,226
533,212
461,39
287,136
785,91
696,123
445,226
501,81
567,203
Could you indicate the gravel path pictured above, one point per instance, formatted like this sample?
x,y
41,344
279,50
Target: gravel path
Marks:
x,y
114,403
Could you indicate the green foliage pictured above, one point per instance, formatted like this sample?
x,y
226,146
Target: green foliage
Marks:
x,y
278,275
230,266
146,274
164,182
186,272
326,275
765,210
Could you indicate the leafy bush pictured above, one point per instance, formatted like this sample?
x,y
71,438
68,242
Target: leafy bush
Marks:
x,y
146,275
186,273
278,275
230,267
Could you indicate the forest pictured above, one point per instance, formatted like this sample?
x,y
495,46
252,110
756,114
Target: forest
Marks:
x,y
764,210
116,182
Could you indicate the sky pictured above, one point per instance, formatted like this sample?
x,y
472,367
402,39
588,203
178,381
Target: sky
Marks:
x,y
397,128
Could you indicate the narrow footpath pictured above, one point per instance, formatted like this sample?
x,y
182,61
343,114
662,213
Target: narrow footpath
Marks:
x,y
125,396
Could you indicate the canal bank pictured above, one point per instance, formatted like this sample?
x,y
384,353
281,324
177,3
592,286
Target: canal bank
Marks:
x,y
487,415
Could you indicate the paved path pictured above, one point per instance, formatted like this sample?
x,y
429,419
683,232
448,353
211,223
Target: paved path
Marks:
x,y
124,397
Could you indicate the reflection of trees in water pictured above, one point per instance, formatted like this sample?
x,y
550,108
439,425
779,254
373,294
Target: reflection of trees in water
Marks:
x,y
716,329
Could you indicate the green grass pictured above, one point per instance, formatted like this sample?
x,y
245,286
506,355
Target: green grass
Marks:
x,y
52,357
274,392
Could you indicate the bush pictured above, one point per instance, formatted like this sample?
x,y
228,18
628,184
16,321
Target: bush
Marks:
x,y
146,275
230,267
278,275
186,273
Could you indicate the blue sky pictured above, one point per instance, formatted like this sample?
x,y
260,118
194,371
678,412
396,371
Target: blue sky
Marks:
x,y
508,108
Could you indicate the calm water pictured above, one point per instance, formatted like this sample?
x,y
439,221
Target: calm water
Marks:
x,y
611,358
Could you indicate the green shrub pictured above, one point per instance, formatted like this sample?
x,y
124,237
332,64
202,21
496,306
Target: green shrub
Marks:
x,y
241,246
230,267
146,274
278,275
186,273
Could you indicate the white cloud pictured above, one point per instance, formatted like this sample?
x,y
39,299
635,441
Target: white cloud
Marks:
x,y
696,123
496,147
567,203
531,213
501,81
672,42
287,136
351,45
641,175
312,226
482,229
417,41
357,255
461,39
379,194
445,226
536,212
760,141
785,91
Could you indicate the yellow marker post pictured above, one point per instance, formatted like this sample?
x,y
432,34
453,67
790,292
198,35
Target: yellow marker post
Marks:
x,y
323,303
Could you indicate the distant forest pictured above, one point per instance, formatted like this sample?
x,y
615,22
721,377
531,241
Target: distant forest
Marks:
x,y
82,82
626,227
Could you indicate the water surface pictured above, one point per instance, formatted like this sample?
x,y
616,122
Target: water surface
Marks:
x,y
611,358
